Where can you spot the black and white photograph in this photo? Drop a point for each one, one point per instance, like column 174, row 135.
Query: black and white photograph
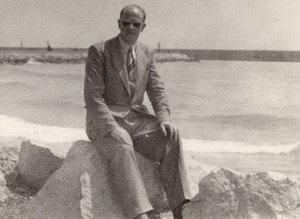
column 136, row 109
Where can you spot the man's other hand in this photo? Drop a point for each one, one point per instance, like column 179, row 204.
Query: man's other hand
column 121, row 135
column 169, row 129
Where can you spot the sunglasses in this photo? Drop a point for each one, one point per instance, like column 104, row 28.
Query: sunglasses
column 135, row 24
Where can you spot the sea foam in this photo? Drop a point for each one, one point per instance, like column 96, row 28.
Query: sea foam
column 238, row 147
column 13, row 127
column 16, row 127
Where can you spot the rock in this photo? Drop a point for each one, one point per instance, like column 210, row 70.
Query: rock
column 229, row 195
column 8, row 159
column 81, row 188
column 3, row 189
column 3, row 195
column 37, row 164
column 32, row 60
column 12, row 177
column 196, row 171
column 2, row 179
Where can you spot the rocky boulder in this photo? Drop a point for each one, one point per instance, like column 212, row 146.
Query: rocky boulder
column 8, row 162
column 37, row 164
column 225, row 194
column 3, row 189
column 81, row 188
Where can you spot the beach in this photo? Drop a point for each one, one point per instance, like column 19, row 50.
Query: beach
column 240, row 115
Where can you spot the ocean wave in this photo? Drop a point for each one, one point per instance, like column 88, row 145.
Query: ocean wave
column 10, row 82
column 48, row 72
column 239, row 147
column 13, row 127
column 33, row 61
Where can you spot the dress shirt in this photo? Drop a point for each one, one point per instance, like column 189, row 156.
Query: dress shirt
column 125, row 47
column 132, row 74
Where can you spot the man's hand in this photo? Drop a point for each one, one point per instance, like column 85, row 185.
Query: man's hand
column 168, row 129
column 121, row 135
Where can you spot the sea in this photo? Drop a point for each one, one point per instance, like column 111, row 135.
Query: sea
column 242, row 115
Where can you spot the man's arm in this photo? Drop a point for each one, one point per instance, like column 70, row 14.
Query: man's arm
column 94, row 88
column 156, row 93
column 158, row 98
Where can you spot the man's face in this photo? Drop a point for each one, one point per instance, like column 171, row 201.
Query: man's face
column 131, row 25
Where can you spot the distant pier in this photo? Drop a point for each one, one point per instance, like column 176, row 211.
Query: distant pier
column 195, row 54
column 242, row 55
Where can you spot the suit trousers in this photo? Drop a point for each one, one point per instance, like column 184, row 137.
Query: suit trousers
column 125, row 171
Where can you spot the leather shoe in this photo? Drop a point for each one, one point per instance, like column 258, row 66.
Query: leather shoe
column 155, row 215
column 177, row 212
column 142, row 216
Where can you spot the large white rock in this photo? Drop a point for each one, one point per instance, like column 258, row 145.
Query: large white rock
column 81, row 188
column 229, row 195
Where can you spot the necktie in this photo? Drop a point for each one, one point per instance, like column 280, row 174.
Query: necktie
column 131, row 70
column 130, row 63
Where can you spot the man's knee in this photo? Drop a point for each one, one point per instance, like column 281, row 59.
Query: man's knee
column 125, row 149
column 112, row 147
column 122, row 151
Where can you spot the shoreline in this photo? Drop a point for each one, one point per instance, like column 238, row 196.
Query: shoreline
column 16, row 129
column 284, row 163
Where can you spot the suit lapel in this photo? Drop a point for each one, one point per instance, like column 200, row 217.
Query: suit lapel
column 141, row 62
column 119, row 62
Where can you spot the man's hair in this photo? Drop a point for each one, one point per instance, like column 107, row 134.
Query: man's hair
column 137, row 6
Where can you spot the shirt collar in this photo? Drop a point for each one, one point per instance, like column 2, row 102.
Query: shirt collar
column 125, row 46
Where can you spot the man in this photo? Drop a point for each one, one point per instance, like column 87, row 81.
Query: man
column 118, row 73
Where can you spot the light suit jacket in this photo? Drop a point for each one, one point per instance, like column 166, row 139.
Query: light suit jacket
column 107, row 93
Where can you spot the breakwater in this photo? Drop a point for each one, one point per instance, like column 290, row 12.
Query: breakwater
column 78, row 55
column 68, row 56
column 242, row 55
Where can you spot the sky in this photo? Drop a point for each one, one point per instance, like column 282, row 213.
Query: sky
column 182, row 24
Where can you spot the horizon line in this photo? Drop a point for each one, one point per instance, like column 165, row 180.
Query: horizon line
column 156, row 49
